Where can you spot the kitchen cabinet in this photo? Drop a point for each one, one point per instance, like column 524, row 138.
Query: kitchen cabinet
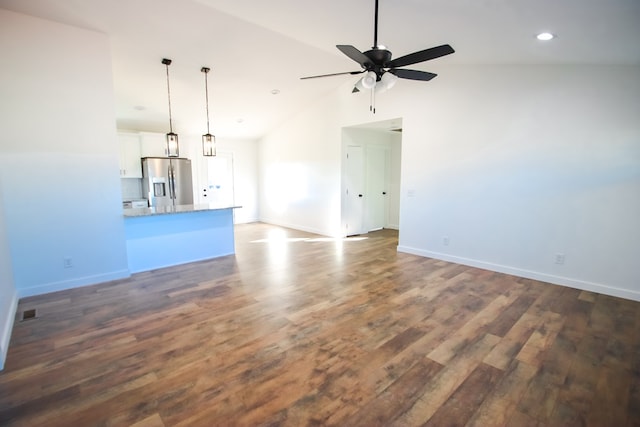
column 153, row 144
column 130, row 166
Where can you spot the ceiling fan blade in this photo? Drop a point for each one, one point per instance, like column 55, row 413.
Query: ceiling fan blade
column 420, row 56
column 332, row 74
column 413, row 74
column 355, row 54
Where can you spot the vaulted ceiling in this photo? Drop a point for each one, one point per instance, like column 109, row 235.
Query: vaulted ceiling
column 254, row 47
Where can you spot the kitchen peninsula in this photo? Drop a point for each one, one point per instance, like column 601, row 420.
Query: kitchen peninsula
column 170, row 235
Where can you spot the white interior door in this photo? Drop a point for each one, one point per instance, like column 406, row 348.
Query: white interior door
column 376, row 185
column 219, row 189
column 354, row 188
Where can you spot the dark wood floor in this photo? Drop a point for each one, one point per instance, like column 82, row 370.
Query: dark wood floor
column 301, row 330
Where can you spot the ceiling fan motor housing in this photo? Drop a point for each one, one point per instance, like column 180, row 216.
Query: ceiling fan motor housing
column 379, row 57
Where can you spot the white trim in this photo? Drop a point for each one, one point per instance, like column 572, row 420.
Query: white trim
column 244, row 220
column 297, row 227
column 5, row 338
column 543, row 277
column 174, row 264
column 70, row 284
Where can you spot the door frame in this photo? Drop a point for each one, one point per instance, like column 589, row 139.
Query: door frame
column 393, row 156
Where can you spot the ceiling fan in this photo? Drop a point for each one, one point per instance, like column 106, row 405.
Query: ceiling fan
column 381, row 71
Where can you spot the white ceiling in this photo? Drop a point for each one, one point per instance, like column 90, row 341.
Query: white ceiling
column 255, row 46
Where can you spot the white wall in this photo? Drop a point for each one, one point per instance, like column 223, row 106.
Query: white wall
column 514, row 164
column 59, row 163
column 8, row 294
column 299, row 181
column 518, row 164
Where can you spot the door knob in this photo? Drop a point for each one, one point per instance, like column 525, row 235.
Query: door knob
column 359, row 195
column 384, row 193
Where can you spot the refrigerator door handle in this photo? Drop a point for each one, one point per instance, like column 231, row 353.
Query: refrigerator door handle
column 173, row 183
column 172, row 188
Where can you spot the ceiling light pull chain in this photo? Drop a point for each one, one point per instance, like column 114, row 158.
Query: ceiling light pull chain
column 372, row 100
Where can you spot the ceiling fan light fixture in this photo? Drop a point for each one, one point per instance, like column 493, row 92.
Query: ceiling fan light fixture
column 388, row 80
column 369, row 80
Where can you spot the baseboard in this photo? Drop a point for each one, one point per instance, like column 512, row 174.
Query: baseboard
column 245, row 220
column 296, row 227
column 71, row 284
column 7, row 322
column 207, row 258
column 528, row 274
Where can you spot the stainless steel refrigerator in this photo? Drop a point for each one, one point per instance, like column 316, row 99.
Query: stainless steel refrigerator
column 167, row 181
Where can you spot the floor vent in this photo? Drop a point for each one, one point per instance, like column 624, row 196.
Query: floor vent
column 29, row 314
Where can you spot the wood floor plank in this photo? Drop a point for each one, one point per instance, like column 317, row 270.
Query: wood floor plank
column 445, row 383
column 396, row 399
column 456, row 343
column 500, row 404
column 152, row 421
column 464, row 402
column 298, row 329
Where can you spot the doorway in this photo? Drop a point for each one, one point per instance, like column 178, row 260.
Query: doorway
column 371, row 177
column 219, row 188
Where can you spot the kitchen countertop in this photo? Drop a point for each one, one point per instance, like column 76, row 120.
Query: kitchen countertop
column 168, row 210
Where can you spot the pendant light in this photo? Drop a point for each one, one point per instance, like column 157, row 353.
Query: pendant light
column 208, row 140
column 172, row 138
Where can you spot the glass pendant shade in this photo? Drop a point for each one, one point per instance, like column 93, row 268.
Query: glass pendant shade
column 369, row 80
column 389, row 80
column 172, row 145
column 208, row 145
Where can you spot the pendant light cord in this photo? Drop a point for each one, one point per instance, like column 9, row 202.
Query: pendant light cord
column 205, row 70
column 169, row 96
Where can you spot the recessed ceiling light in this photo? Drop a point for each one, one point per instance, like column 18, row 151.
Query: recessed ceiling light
column 240, row 120
column 545, row 36
column 139, row 108
column 275, row 91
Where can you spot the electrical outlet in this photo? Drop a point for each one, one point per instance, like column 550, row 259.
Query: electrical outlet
column 67, row 262
column 559, row 259
column 445, row 240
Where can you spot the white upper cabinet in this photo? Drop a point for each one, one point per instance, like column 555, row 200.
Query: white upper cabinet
column 153, row 144
column 130, row 166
